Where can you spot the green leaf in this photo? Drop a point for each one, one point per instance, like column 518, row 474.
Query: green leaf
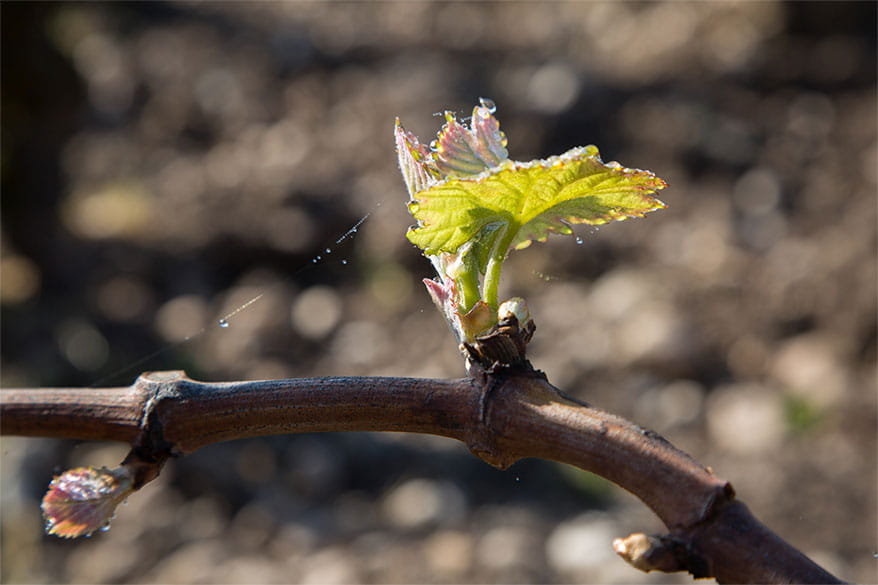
column 518, row 203
column 473, row 205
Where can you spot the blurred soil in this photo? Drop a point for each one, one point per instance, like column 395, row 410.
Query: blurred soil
column 164, row 163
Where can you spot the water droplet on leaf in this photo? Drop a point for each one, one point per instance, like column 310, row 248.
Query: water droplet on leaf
column 224, row 323
column 578, row 240
column 488, row 104
column 343, row 261
column 328, row 251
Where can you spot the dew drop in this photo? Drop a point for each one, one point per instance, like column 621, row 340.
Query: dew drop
column 578, row 240
column 328, row 251
column 313, row 260
column 343, row 261
column 318, row 258
column 488, row 104
column 224, row 323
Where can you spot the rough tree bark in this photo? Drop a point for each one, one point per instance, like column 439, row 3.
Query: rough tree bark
column 502, row 414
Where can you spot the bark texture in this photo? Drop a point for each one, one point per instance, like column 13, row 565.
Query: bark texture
column 502, row 415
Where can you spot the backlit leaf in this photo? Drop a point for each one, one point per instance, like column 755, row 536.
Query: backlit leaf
column 460, row 151
column 473, row 205
column 82, row 500
column 415, row 160
column 525, row 202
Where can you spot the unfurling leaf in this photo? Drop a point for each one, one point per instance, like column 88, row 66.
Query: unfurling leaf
column 414, row 161
column 459, row 151
column 526, row 201
column 82, row 500
column 473, row 205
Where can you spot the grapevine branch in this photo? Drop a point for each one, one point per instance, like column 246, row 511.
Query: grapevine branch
column 502, row 414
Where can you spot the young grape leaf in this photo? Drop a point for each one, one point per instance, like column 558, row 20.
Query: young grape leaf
column 82, row 500
column 415, row 161
column 459, row 151
column 473, row 205
column 524, row 202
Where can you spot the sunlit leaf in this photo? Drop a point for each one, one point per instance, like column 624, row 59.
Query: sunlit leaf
column 473, row 205
column 82, row 500
column 526, row 201
column 460, row 151
column 415, row 160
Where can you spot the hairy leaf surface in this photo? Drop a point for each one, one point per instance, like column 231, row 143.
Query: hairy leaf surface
column 525, row 202
column 82, row 500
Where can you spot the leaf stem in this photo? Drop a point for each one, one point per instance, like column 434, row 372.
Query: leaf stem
column 468, row 283
column 491, row 285
column 492, row 281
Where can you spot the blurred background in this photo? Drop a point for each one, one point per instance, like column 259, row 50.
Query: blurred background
column 165, row 163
